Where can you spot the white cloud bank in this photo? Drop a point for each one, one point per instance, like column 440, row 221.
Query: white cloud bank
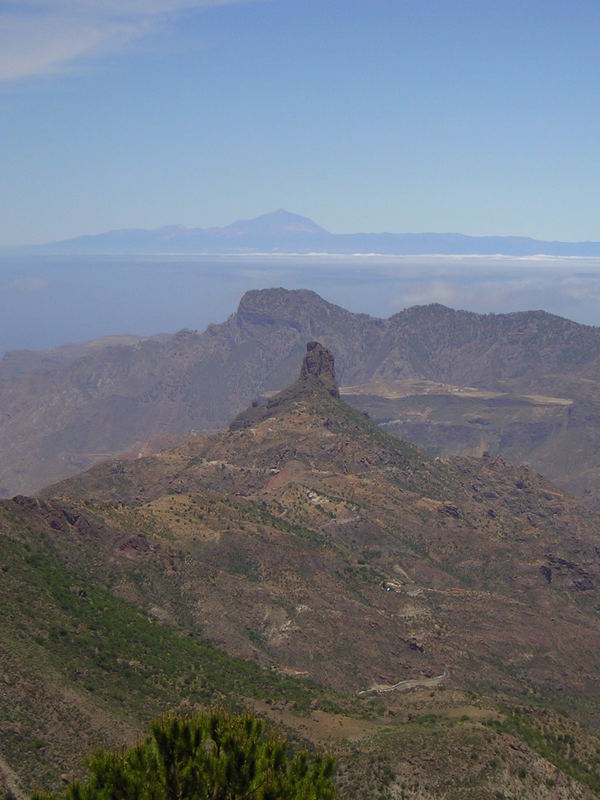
column 43, row 37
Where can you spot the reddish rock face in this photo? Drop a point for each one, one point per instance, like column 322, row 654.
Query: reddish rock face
column 318, row 364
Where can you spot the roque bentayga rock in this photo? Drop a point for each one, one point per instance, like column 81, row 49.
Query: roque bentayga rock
column 318, row 364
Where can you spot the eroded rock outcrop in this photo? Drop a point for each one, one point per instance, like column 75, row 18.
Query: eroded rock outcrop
column 318, row 364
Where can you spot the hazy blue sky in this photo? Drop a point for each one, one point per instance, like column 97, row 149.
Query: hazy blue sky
column 480, row 117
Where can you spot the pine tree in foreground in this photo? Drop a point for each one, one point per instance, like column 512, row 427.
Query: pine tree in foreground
column 215, row 756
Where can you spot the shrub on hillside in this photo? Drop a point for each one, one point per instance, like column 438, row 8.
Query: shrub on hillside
column 215, row 756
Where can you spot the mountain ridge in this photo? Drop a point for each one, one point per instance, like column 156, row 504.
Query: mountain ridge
column 535, row 373
column 284, row 232
column 424, row 609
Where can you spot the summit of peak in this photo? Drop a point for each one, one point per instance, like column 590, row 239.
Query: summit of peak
column 274, row 224
column 315, row 383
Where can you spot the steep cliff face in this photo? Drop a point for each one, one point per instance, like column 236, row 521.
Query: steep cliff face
column 318, row 365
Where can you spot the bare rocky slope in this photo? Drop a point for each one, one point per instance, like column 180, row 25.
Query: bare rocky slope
column 434, row 621
column 524, row 385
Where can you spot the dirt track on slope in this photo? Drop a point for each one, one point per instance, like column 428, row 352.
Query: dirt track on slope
column 405, row 686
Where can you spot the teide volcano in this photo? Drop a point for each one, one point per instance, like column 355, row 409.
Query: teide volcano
column 284, row 232
column 307, row 541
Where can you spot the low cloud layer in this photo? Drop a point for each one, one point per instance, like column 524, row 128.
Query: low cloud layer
column 45, row 302
column 562, row 291
column 44, row 37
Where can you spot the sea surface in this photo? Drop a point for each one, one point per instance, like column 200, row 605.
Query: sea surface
column 46, row 301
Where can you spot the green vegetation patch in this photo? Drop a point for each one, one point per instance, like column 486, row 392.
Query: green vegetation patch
column 60, row 634
column 555, row 743
column 207, row 756
column 99, row 640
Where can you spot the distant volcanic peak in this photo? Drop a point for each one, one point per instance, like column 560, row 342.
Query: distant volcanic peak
column 318, row 365
column 276, row 223
column 291, row 221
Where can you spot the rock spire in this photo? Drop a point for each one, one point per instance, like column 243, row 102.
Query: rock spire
column 318, row 365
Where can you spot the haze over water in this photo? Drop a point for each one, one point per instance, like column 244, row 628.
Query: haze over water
column 47, row 301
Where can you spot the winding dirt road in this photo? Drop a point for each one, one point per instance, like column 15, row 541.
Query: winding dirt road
column 405, row 686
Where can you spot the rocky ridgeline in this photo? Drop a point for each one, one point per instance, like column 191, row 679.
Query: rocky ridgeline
column 64, row 410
